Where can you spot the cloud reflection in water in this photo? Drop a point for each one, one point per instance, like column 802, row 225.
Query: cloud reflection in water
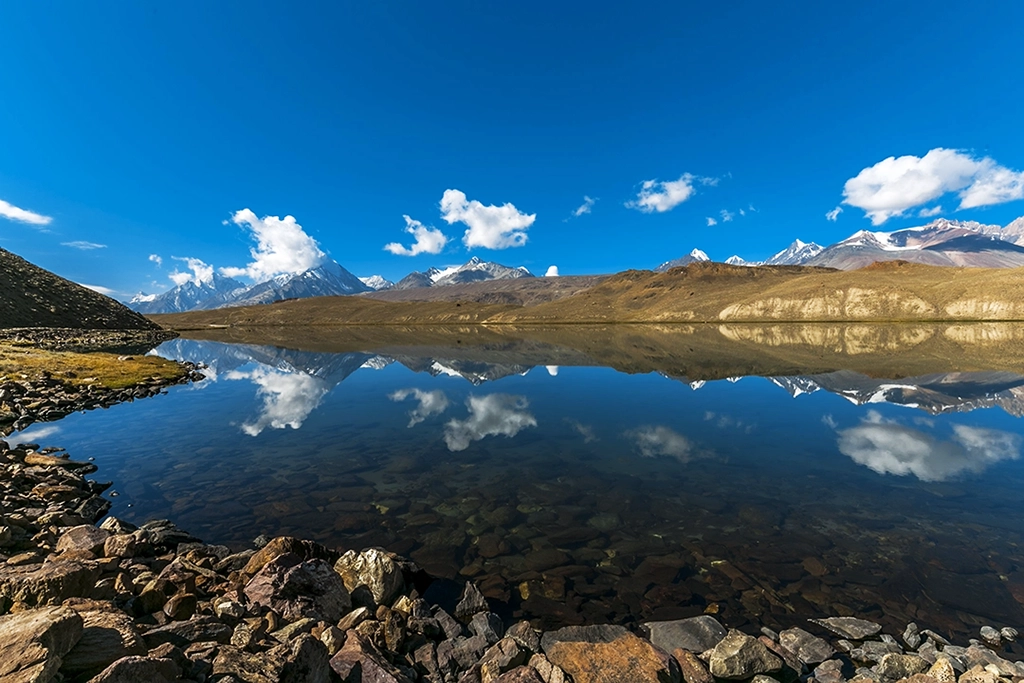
column 887, row 447
column 491, row 415
column 430, row 403
column 288, row 398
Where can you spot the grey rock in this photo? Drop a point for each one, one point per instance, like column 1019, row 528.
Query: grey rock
column 808, row 648
column 886, row 638
column 467, row 651
column 360, row 658
column 932, row 635
column 451, row 627
column 873, row 651
column 978, row 655
column 471, row 602
column 524, row 634
column 739, row 656
column 182, row 633
column 830, row 671
column 849, row 627
column 501, row 657
column 911, row 636
column 770, row 633
column 373, row 569
column 134, row 669
column 991, row 637
column 1008, row 633
column 488, row 625
column 896, row 666
column 696, row 634
column 33, row 643
column 295, row 589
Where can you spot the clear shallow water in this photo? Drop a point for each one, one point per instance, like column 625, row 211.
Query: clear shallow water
column 582, row 493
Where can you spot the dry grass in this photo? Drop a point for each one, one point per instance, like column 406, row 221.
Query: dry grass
column 105, row 369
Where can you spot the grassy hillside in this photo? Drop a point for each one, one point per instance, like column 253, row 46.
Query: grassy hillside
column 33, row 297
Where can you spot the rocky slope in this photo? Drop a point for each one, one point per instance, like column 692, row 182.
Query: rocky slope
column 33, row 297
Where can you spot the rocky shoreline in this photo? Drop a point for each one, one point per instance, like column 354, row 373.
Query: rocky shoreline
column 26, row 401
column 115, row 602
column 87, row 340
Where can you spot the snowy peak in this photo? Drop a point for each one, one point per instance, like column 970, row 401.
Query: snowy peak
column 735, row 260
column 213, row 292
column 377, row 283
column 473, row 270
column 695, row 256
column 796, row 254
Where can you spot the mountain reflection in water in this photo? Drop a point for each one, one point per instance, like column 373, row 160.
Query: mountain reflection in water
column 583, row 492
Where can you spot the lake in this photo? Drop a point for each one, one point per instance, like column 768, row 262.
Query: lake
column 763, row 475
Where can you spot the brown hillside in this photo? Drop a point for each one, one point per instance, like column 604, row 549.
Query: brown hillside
column 33, row 297
column 524, row 291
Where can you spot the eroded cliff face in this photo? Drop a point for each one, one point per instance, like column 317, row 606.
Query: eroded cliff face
column 846, row 339
column 854, row 303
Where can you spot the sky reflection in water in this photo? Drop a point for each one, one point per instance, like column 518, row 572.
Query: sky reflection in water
column 824, row 494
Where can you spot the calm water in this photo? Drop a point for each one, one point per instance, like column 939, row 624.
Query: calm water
column 584, row 493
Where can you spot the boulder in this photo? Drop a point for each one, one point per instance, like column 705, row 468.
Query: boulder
column 849, row 627
column 296, row 588
column 34, row 643
column 696, row 634
column 50, row 583
column 245, row 666
column 896, row 666
column 739, row 656
column 808, row 648
column 85, row 537
column 282, row 545
column 135, row 669
column 358, row 656
column 942, row 671
column 373, row 569
column 502, row 657
column 202, row 629
column 108, row 634
column 471, row 602
column 596, row 654
column 488, row 625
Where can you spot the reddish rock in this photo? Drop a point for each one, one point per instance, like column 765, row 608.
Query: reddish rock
column 597, row 654
column 295, row 589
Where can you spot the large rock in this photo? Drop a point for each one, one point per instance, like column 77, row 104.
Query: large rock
column 896, row 666
column 739, row 656
column 599, row 654
column 359, row 661
column 85, row 537
column 849, row 627
column 135, row 669
column 373, row 569
column 295, row 589
column 245, row 666
column 695, row 634
column 203, row 629
column 108, row 635
column 283, row 545
column 50, row 583
column 693, row 669
column 808, row 648
column 33, row 643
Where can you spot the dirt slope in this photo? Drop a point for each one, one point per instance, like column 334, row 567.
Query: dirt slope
column 527, row 291
column 33, row 297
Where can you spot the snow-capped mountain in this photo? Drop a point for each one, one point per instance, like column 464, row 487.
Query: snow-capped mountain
column 735, row 260
column 473, row 270
column 941, row 243
column 327, row 279
column 694, row 256
column 377, row 283
column 190, row 296
column 796, row 254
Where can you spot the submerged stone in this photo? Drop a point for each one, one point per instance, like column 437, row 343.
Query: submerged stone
column 849, row 627
column 696, row 634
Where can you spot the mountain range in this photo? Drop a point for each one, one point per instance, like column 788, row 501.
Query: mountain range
column 939, row 243
column 327, row 279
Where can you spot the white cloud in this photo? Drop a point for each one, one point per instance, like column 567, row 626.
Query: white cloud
column 585, row 207
column 288, row 398
column 552, row 370
column 201, row 272
column 282, row 246
column 429, row 240
column 655, row 441
column 833, row 215
column 890, row 448
column 490, row 226
column 14, row 213
column 84, row 246
column 36, row 434
column 105, row 291
column 711, row 221
column 928, row 213
column 829, row 421
column 155, row 258
column 492, row 415
column 430, row 403
column 743, row 212
column 665, row 196
column 552, row 271
column 727, row 216
column 895, row 185
column 586, row 431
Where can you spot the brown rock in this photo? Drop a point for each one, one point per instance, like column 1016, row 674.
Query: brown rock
column 33, row 643
column 295, row 588
column 896, row 666
column 599, row 654
column 108, row 634
column 200, row 629
column 122, row 545
column 942, row 671
column 136, row 669
column 739, row 656
column 181, row 607
column 549, row 673
column 85, row 537
column 307, row 550
column 373, row 569
column 522, row 674
column 40, row 460
column 360, row 657
column 48, row 584
column 694, row 670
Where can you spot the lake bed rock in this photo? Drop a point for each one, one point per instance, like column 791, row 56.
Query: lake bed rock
column 739, row 656
column 808, row 648
column 695, row 634
column 849, row 627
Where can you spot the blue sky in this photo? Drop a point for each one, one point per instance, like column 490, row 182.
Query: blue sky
column 147, row 127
